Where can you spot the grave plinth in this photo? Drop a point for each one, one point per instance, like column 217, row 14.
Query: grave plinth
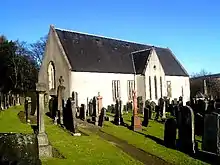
column 45, row 149
column 135, row 120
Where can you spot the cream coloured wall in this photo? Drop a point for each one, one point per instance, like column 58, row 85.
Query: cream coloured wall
column 88, row 84
column 177, row 82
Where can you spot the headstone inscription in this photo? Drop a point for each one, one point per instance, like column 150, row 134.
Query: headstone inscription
column 211, row 137
column 186, row 130
column 170, row 133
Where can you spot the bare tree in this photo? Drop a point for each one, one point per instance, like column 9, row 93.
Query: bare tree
column 212, row 83
column 37, row 49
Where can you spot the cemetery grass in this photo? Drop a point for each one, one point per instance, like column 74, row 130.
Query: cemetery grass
column 150, row 139
column 83, row 150
column 10, row 122
column 74, row 150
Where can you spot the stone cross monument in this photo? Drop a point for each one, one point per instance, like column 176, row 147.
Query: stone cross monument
column 44, row 148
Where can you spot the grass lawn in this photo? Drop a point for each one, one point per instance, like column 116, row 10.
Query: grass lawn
column 9, row 121
column 76, row 150
column 149, row 140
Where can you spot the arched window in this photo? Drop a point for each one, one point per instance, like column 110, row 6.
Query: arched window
column 51, row 76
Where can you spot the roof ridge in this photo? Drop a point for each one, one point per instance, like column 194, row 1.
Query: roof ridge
column 142, row 50
column 117, row 39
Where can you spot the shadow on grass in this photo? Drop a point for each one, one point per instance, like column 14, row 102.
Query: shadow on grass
column 22, row 117
column 207, row 157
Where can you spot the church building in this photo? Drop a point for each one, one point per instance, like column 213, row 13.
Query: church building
column 90, row 64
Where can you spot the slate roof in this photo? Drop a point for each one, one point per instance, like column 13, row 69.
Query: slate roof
column 89, row 53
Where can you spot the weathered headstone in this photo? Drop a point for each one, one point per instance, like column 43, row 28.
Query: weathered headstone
column 135, row 119
column 146, row 117
column 99, row 101
column 27, row 107
column 211, row 136
column 82, row 114
column 164, row 110
column 44, row 148
column 170, row 133
column 95, row 111
column 90, row 108
column 101, row 117
column 60, row 95
column 186, row 130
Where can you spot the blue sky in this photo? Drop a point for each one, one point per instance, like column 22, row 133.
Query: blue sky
column 191, row 28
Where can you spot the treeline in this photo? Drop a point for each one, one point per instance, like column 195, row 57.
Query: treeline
column 19, row 65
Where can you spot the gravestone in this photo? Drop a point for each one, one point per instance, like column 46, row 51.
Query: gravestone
column 70, row 117
column 135, row 119
column 146, row 117
column 186, row 130
column 170, row 133
column 118, row 116
column 82, row 114
column 211, row 136
column 211, row 107
column 60, row 95
column 99, row 102
column 95, row 110
column 164, row 110
column 90, row 108
column 102, row 117
column 27, row 107
column 45, row 149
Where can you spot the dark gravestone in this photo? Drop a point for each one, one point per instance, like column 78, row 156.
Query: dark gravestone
column 129, row 107
column 118, row 116
column 157, row 110
column 199, row 120
column 102, row 117
column 161, row 103
column 27, row 107
column 70, row 115
column 170, row 133
column 211, row 136
column 82, row 112
column 211, row 106
column 186, row 130
column 90, row 108
column 19, row 149
column 180, row 101
column 95, row 110
column 146, row 117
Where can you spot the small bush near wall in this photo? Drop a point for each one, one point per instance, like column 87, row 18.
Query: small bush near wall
column 19, row 149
